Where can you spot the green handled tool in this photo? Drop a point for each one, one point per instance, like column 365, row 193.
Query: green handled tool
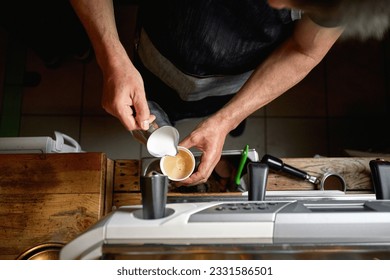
column 244, row 157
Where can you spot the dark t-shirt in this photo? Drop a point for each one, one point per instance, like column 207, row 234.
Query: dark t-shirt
column 215, row 37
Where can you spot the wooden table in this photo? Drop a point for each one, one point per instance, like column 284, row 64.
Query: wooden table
column 46, row 198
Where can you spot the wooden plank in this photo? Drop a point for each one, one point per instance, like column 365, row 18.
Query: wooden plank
column 26, row 221
column 51, row 173
column 127, row 174
column 126, row 199
column 355, row 171
column 109, row 183
column 51, row 198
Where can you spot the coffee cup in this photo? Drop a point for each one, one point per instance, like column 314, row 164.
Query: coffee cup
column 179, row 167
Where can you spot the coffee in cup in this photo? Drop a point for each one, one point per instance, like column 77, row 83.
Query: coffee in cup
column 178, row 167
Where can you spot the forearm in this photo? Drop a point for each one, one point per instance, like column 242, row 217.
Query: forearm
column 97, row 17
column 123, row 89
column 286, row 67
column 270, row 80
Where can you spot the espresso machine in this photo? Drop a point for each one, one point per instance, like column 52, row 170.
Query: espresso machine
column 255, row 227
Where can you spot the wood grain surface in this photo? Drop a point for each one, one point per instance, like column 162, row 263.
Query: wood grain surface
column 355, row 171
column 50, row 198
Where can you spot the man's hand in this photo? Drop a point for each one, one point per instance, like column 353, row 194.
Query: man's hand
column 124, row 97
column 123, row 93
column 209, row 137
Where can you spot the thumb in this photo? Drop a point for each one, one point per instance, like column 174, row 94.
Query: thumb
column 187, row 142
column 142, row 113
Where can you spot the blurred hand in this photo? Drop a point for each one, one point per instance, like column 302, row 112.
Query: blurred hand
column 209, row 137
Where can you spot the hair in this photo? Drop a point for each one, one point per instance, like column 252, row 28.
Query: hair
column 365, row 19
column 362, row 19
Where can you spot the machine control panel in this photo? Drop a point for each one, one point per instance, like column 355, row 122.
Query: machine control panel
column 257, row 211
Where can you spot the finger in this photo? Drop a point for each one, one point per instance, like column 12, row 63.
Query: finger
column 201, row 175
column 126, row 116
column 187, row 143
column 123, row 111
column 128, row 120
column 195, row 179
column 146, row 123
column 142, row 115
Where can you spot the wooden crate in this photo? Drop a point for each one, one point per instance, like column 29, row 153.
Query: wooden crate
column 126, row 183
column 51, row 198
column 355, row 171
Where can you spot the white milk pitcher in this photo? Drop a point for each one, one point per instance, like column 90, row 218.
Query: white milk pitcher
column 161, row 139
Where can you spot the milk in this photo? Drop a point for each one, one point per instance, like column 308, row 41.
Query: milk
column 163, row 141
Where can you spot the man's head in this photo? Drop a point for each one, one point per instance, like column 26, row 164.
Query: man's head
column 362, row 18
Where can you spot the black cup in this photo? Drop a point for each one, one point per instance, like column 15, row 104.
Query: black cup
column 154, row 191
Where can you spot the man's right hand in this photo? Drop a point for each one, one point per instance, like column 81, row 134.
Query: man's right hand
column 124, row 96
column 123, row 93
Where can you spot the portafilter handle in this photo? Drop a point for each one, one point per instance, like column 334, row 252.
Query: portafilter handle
column 277, row 164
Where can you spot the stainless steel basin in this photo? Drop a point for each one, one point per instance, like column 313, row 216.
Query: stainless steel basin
column 248, row 252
